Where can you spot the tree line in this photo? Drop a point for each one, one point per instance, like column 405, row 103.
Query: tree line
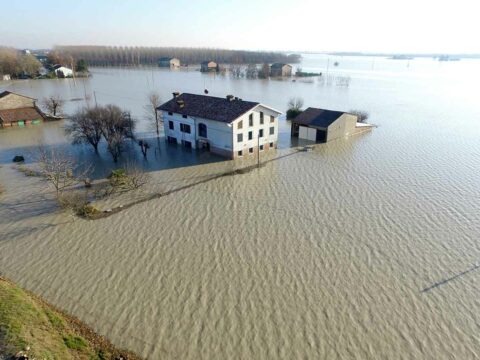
column 134, row 55
column 14, row 63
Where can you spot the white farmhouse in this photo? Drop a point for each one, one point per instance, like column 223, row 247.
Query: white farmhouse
column 230, row 127
column 62, row 71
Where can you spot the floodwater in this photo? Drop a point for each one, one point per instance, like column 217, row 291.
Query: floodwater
column 362, row 248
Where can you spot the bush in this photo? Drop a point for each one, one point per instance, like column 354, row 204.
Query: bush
column 362, row 115
column 87, row 211
column 293, row 113
column 118, row 178
column 18, row 158
column 74, row 342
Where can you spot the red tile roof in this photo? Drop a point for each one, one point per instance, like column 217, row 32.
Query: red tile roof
column 23, row 114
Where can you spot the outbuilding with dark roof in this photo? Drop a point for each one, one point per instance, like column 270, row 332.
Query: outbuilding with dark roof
column 322, row 125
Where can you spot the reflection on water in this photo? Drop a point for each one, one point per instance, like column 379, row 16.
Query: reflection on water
column 322, row 254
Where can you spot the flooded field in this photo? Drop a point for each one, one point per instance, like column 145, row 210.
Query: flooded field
column 362, row 248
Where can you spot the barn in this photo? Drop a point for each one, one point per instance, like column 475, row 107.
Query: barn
column 20, row 110
column 322, row 125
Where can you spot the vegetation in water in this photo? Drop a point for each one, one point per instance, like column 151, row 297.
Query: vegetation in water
column 134, row 56
column 362, row 115
column 294, row 108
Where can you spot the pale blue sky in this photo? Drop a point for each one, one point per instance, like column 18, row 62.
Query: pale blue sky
column 334, row 25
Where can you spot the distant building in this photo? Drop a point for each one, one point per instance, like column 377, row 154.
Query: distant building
column 321, row 125
column 16, row 109
column 42, row 58
column 228, row 126
column 169, row 62
column 208, row 66
column 279, row 69
column 62, row 71
column 6, row 77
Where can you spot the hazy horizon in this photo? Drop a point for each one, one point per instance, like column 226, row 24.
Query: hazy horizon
column 345, row 26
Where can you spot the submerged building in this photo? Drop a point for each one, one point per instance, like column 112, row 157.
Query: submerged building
column 169, row 62
column 230, row 127
column 20, row 110
column 322, row 125
column 279, row 69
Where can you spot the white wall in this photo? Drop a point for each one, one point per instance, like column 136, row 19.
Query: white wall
column 267, row 138
column 176, row 133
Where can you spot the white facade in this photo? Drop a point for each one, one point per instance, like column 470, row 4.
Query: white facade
column 223, row 138
column 63, row 71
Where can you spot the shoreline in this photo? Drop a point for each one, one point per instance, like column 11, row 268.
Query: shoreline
column 75, row 327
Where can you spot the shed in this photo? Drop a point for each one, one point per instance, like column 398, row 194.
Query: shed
column 279, row 69
column 169, row 62
column 208, row 66
column 322, row 125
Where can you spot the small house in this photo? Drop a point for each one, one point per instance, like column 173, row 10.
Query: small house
column 229, row 126
column 208, row 66
column 20, row 110
column 322, row 125
column 6, row 77
column 169, row 62
column 280, row 70
column 62, row 71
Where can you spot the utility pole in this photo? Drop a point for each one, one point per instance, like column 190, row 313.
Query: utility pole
column 258, row 149
column 95, row 97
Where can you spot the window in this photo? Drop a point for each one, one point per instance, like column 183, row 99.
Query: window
column 250, row 120
column 272, row 118
column 185, row 128
column 272, row 130
column 202, row 130
column 250, row 135
column 240, row 153
column 184, row 116
column 271, row 145
column 170, row 125
column 240, row 124
column 250, row 150
column 170, row 113
column 261, row 147
column 239, row 137
column 171, row 140
column 261, row 118
column 187, row 144
column 260, row 133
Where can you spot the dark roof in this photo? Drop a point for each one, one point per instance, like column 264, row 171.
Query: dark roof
column 279, row 65
column 318, row 117
column 208, row 107
column 23, row 114
column 6, row 92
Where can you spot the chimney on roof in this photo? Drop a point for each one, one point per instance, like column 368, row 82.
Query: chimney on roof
column 180, row 103
column 176, row 94
column 230, row 97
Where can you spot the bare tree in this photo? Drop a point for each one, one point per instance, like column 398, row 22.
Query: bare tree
column 236, row 71
column 294, row 107
column 59, row 169
column 251, row 72
column 85, row 127
column 53, row 104
column 151, row 109
column 117, row 126
column 264, row 71
column 144, row 146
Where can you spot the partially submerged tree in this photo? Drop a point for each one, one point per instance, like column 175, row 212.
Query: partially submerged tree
column 362, row 115
column 151, row 109
column 117, row 126
column 53, row 104
column 85, row 127
column 251, row 72
column 144, row 146
column 294, row 108
column 264, row 71
column 59, row 169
